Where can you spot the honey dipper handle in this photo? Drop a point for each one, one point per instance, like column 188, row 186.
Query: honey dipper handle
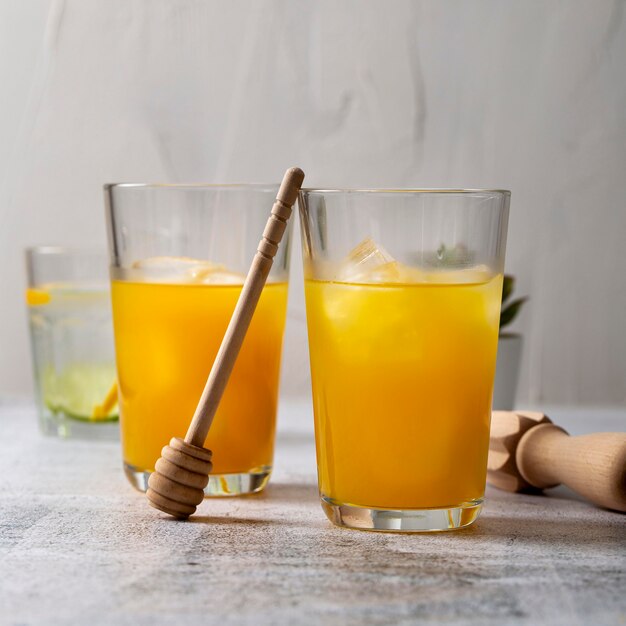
column 592, row 465
column 242, row 315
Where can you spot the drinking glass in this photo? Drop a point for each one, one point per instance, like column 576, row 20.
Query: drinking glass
column 179, row 255
column 69, row 310
column 403, row 292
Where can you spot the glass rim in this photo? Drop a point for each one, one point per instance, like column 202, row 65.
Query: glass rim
column 67, row 250
column 183, row 186
column 408, row 190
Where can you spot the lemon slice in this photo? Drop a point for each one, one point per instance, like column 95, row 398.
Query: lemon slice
column 82, row 391
column 37, row 297
column 101, row 411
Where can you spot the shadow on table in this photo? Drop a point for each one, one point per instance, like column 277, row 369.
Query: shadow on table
column 541, row 519
column 274, row 494
column 536, row 521
column 228, row 520
column 290, row 492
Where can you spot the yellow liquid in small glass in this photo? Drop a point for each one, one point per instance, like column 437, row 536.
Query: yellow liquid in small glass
column 166, row 339
column 402, row 386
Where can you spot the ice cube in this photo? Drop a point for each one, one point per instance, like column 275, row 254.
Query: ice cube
column 369, row 263
column 184, row 270
column 166, row 267
column 210, row 274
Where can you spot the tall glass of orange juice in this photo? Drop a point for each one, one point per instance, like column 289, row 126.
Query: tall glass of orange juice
column 179, row 254
column 403, row 291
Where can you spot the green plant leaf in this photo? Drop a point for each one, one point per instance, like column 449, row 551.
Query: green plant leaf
column 510, row 312
column 507, row 287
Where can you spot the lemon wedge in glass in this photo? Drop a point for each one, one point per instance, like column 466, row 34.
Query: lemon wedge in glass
column 84, row 391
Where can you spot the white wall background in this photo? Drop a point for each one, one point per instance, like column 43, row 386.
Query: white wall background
column 529, row 96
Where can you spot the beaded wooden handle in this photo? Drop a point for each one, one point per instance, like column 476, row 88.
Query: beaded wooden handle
column 176, row 487
column 250, row 294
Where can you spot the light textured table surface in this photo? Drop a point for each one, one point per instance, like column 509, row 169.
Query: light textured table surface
column 79, row 546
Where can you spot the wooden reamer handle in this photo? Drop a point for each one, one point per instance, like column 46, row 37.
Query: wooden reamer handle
column 248, row 299
column 593, row 465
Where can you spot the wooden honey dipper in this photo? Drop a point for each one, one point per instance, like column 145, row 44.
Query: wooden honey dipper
column 182, row 472
column 527, row 450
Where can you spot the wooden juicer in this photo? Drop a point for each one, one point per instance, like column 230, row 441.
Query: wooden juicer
column 527, row 450
column 182, row 472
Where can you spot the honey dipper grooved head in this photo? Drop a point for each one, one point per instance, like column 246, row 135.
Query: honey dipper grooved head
column 177, row 485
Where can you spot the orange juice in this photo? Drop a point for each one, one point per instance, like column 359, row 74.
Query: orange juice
column 166, row 338
column 402, row 383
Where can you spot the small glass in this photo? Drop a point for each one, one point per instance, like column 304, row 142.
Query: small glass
column 179, row 256
column 69, row 311
column 403, row 292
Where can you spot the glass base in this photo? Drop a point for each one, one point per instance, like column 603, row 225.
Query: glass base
column 402, row 520
column 219, row 484
column 56, row 425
